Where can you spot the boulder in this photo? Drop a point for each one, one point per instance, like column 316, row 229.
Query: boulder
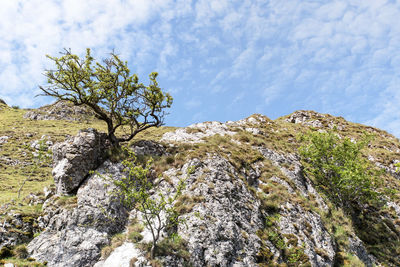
column 74, row 234
column 75, row 157
column 123, row 256
column 17, row 228
column 148, row 147
column 4, row 139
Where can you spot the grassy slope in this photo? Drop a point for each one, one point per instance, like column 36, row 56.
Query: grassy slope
column 17, row 149
column 278, row 135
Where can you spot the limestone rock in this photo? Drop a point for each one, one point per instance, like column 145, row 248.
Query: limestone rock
column 60, row 110
column 221, row 227
column 74, row 158
column 74, row 235
column 196, row 132
column 223, row 206
column 4, row 139
column 309, row 230
column 357, row 248
column 147, row 147
column 122, row 256
column 17, row 228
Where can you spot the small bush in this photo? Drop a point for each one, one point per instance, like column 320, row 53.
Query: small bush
column 21, row 252
column 106, row 251
column 5, row 252
column 169, row 160
column 174, row 245
column 117, row 240
column 135, row 237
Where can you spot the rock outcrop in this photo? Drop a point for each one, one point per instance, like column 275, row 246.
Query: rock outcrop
column 247, row 202
column 17, row 229
column 61, row 110
column 196, row 132
column 147, row 147
column 74, row 158
column 221, row 226
column 75, row 233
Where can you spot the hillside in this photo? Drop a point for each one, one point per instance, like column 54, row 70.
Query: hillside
column 247, row 200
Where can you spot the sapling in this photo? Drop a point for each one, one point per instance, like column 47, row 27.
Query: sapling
column 138, row 190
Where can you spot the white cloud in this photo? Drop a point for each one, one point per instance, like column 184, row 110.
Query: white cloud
column 333, row 10
column 337, row 55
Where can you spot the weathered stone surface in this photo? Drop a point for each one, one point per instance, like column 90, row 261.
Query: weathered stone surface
column 75, row 157
column 17, row 228
column 196, row 132
column 147, row 147
column 74, row 234
column 357, row 248
column 122, row 256
column 4, row 139
column 304, row 116
column 60, row 110
column 222, row 210
column 309, row 230
column 296, row 175
column 43, row 143
column 221, row 227
column 11, row 162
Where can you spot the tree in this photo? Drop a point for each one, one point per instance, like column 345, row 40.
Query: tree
column 110, row 91
column 339, row 169
column 138, row 191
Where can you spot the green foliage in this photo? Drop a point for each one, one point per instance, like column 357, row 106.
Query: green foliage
column 108, row 88
column 136, row 189
column 174, row 245
column 339, row 169
column 134, row 232
column 5, row 252
column 21, row 252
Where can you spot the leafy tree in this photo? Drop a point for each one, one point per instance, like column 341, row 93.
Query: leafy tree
column 138, row 191
column 108, row 88
column 339, row 169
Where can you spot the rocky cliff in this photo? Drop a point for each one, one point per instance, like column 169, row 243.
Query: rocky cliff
column 247, row 201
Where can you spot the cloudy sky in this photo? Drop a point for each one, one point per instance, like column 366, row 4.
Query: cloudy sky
column 221, row 59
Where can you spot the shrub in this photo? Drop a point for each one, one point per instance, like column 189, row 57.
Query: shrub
column 338, row 168
column 5, row 252
column 21, row 252
column 135, row 191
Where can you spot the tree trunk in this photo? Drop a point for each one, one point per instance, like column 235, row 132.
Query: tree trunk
column 152, row 251
column 114, row 140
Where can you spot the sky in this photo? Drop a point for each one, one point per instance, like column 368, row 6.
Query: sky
column 220, row 59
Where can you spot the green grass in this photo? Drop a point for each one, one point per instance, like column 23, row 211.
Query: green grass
column 24, row 131
column 278, row 135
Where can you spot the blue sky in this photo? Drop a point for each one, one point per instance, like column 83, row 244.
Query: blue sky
column 221, row 60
